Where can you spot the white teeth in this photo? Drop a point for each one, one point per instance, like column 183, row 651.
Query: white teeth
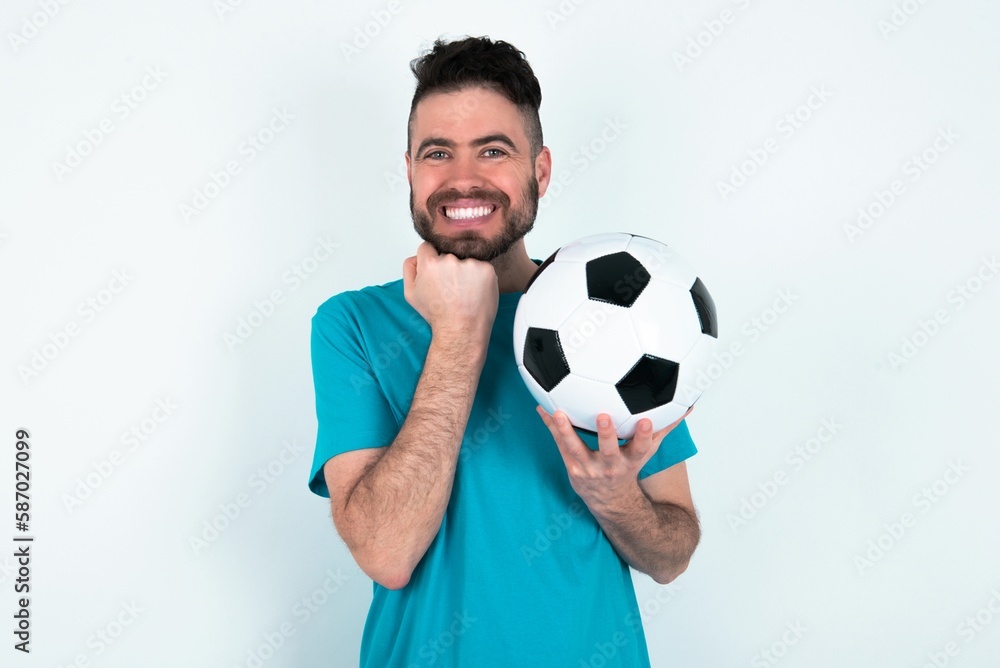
column 467, row 212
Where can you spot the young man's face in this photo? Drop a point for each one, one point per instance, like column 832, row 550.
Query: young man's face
column 474, row 188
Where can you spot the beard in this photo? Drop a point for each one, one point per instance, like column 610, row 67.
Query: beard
column 517, row 222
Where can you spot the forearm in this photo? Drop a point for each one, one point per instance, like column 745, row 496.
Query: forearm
column 654, row 538
column 395, row 511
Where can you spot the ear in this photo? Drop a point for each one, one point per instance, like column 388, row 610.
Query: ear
column 543, row 169
column 409, row 174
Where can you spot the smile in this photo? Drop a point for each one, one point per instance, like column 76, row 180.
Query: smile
column 467, row 212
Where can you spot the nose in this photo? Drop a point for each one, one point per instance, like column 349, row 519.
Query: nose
column 464, row 173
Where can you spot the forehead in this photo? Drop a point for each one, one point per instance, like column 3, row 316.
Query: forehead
column 465, row 114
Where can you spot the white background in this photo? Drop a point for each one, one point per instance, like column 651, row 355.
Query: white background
column 825, row 552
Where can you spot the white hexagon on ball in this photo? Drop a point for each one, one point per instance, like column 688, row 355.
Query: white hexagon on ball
column 618, row 324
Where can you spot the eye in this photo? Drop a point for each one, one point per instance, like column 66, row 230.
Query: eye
column 497, row 152
column 433, row 155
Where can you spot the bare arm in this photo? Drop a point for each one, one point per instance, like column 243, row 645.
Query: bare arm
column 654, row 536
column 393, row 513
column 651, row 523
column 389, row 503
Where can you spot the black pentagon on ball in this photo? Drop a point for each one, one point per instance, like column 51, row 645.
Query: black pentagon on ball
column 705, row 306
column 617, row 279
column 544, row 358
column 648, row 384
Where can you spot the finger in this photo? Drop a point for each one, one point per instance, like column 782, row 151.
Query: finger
column 607, row 439
column 643, row 444
column 409, row 277
column 660, row 434
column 550, row 423
column 410, row 269
column 546, row 418
column 425, row 251
column 569, row 444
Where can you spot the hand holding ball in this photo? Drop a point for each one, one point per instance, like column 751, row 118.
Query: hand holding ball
column 617, row 324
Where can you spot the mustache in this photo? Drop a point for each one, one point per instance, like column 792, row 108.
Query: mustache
column 446, row 196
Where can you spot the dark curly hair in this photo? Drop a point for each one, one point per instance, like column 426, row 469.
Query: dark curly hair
column 478, row 61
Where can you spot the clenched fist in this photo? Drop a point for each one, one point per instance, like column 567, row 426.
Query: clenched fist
column 456, row 297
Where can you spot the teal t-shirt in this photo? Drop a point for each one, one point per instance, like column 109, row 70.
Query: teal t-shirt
column 520, row 573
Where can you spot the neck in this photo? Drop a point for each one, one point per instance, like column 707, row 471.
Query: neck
column 514, row 268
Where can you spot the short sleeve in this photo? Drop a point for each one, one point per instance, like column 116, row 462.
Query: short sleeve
column 351, row 409
column 674, row 448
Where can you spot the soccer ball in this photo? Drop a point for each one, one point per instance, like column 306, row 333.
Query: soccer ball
column 618, row 324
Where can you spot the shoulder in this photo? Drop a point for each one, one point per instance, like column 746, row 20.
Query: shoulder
column 350, row 305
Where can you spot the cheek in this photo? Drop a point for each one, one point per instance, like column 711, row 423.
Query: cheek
column 422, row 189
column 512, row 185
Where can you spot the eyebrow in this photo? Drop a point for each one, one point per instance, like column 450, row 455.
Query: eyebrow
column 498, row 138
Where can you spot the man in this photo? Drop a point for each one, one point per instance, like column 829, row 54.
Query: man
column 494, row 534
